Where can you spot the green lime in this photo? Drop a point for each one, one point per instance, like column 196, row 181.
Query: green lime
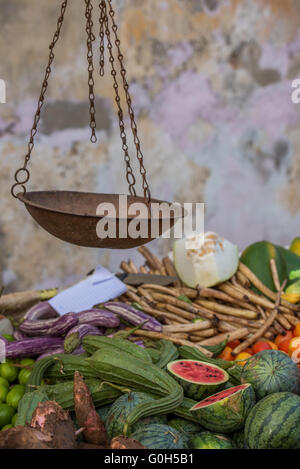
column 8, row 337
column 6, row 414
column 24, row 376
column 8, row 371
column 15, row 395
column 4, row 382
column 6, row 427
column 3, row 392
column 13, row 420
column 27, row 361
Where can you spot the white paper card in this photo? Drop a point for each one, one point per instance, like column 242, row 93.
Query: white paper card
column 97, row 288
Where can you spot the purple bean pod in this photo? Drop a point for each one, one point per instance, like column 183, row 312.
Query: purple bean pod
column 59, row 349
column 50, row 327
column 18, row 335
column 32, row 347
column 41, row 311
column 75, row 335
column 133, row 316
column 99, row 318
column 79, row 350
column 140, row 343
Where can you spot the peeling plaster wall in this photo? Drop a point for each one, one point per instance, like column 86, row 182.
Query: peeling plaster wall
column 211, row 85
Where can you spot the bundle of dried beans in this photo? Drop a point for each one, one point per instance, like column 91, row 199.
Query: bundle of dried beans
column 231, row 310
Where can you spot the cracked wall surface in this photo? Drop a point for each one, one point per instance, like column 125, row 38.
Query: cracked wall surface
column 211, row 86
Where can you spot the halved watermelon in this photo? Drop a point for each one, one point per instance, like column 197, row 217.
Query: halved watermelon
column 198, row 379
column 227, row 410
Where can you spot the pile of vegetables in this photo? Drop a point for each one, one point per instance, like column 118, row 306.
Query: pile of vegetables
column 120, row 395
column 177, row 367
column 14, row 375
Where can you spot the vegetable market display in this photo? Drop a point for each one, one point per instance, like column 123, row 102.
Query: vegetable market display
column 163, row 367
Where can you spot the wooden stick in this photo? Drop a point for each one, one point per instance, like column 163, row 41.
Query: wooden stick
column 242, row 280
column 179, row 312
column 284, row 322
column 220, row 295
column 160, row 314
column 242, row 313
column 175, row 302
column 159, row 336
column 196, row 326
column 242, row 293
column 265, row 290
column 253, row 338
column 292, row 319
column 191, row 293
column 262, row 312
column 152, row 260
column 146, row 296
column 204, row 334
column 162, row 289
column 224, row 326
column 237, row 334
column 125, row 267
column 170, row 269
column 274, row 273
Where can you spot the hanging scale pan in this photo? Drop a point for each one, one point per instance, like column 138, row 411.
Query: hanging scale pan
column 72, row 216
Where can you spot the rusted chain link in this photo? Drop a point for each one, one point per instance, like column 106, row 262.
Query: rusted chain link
column 90, row 58
column 129, row 173
column 134, row 129
column 103, row 15
column 23, row 170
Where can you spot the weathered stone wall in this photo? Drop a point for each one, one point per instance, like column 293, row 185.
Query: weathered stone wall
column 211, row 84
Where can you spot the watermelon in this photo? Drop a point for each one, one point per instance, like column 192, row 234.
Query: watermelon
column 187, row 429
column 274, row 423
column 271, row 371
column 227, row 410
column 198, row 379
column 103, row 412
column 235, row 374
column 157, row 436
column 119, row 411
column 161, row 419
column 238, row 439
column 207, row 440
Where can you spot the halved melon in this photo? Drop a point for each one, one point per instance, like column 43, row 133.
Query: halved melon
column 198, row 379
column 227, row 410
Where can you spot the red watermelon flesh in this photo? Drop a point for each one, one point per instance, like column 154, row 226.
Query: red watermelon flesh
column 219, row 396
column 197, row 372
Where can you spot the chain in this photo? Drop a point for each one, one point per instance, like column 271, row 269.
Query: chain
column 137, row 142
column 26, row 174
column 129, row 173
column 103, row 15
column 90, row 39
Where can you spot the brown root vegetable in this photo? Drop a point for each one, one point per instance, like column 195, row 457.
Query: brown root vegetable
column 24, row 438
column 52, row 420
column 86, row 414
column 123, row 442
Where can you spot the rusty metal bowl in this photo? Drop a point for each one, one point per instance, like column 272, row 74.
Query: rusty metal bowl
column 72, row 217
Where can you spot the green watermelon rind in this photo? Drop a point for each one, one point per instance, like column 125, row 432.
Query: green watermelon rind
column 197, row 391
column 119, row 411
column 186, row 428
column 228, row 414
column 207, row 440
column 156, row 436
column 274, row 423
column 271, row 371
